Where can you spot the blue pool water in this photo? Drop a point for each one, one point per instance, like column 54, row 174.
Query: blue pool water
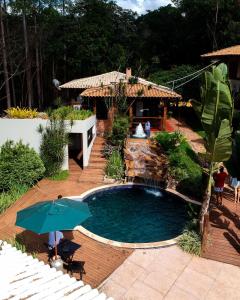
column 136, row 214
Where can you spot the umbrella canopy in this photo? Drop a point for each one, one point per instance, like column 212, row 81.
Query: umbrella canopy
column 62, row 214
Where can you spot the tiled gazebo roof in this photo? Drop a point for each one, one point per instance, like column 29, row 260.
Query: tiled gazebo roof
column 230, row 51
column 105, row 79
column 131, row 90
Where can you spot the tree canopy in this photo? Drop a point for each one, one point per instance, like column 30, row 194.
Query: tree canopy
column 63, row 39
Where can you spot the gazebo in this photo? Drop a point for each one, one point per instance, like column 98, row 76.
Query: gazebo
column 143, row 100
column 230, row 56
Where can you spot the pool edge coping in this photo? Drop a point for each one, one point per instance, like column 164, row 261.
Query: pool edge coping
column 109, row 242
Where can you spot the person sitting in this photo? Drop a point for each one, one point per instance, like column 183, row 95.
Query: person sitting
column 148, row 129
column 54, row 239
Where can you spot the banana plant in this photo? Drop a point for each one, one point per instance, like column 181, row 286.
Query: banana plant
column 215, row 112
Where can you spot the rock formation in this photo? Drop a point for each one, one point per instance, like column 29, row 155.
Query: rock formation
column 145, row 161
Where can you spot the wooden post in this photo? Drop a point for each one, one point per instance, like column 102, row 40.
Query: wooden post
column 164, row 115
column 95, row 106
column 131, row 115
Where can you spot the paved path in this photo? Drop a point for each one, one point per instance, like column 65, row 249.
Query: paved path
column 169, row 273
column 195, row 140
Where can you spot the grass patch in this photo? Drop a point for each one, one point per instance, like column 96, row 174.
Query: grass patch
column 9, row 197
column 62, row 175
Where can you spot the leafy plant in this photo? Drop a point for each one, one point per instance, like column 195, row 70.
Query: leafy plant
column 21, row 113
column 19, row 165
column 53, row 143
column 69, row 113
column 115, row 166
column 9, row 197
column 216, row 113
column 108, row 149
column 183, row 163
column 190, row 241
column 119, row 131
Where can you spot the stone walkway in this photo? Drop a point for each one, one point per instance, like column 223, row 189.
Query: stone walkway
column 195, row 140
column 169, row 273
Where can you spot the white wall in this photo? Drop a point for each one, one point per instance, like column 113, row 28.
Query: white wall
column 26, row 130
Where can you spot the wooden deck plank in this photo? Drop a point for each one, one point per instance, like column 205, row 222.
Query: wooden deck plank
column 224, row 236
column 100, row 260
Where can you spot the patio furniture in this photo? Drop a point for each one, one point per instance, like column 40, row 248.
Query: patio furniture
column 76, row 267
column 54, row 215
column 67, row 249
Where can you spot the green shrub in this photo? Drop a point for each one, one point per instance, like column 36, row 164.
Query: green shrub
column 169, row 141
column 190, row 240
column 69, row 113
column 119, row 131
column 115, row 166
column 9, row 197
column 52, row 148
column 19, row 165
column 183, row 163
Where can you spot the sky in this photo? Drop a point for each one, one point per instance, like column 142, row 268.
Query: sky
column 141, row 6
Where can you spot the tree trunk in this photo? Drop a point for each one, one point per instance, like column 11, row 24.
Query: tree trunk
column 28, row 63
column 206, row 199
column 37, row 64
column 4, row 54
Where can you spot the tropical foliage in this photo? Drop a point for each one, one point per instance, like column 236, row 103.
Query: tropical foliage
column 190, row 241
column 21, row 113
column 216, row 112
column 73, row 39
column 115, row 166
column 184, row 167
column 53, row 142
column 119, row 131
column 19, row 165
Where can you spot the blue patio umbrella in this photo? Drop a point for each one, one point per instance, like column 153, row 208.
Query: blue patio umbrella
column 53, row 215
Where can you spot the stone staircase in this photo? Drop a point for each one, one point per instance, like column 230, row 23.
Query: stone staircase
column 95, row 171
column 25, row 277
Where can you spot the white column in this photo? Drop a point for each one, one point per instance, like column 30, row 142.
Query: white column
column 85, row 149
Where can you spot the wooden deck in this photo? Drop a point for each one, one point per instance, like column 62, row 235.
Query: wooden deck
column 100, row 260
column 223, row 242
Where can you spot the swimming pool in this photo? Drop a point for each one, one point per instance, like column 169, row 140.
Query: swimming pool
column 135, row 214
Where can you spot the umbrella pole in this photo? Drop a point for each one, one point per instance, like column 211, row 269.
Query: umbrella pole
column 55, row 242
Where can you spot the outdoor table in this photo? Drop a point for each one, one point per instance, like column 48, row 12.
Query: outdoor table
column 66, row 249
